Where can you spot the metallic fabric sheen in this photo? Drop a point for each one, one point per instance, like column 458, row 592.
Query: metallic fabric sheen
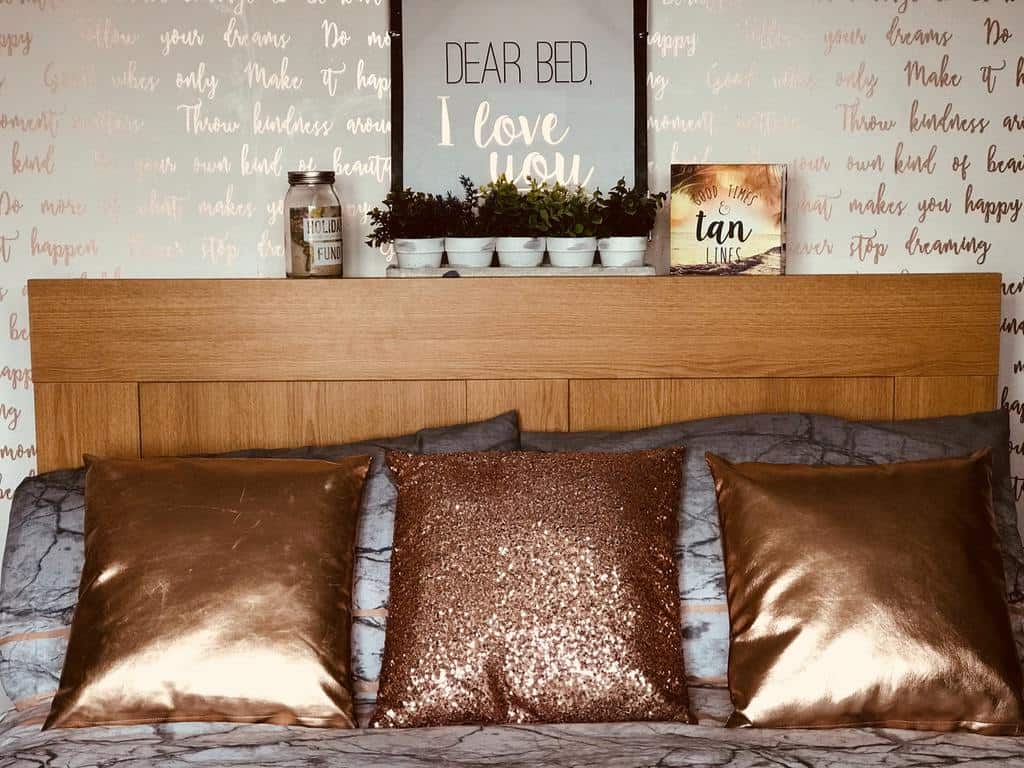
column 867, row 595
column 529, row 587
column 214, row 589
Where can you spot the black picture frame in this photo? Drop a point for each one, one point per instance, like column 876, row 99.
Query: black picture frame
column 640, row 32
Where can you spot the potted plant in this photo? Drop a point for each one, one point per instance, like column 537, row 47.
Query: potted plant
column 574, row 216
column 515, row 218
column 469, row 236
column 627, row 218
column 414, row 222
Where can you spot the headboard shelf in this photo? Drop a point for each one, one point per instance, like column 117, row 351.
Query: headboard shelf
column 142, row 367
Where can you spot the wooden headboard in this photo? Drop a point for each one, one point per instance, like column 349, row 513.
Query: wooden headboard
column 150, row 367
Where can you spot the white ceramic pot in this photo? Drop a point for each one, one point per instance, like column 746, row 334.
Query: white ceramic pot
column 469, row 251
column 622, row 251
column 419, row 253
column 520, row 251
column 572, row 251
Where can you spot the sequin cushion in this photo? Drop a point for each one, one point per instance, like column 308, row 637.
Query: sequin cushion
column 530, row 588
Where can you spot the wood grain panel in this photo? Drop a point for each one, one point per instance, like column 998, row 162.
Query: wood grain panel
column 610, row 404
column 926, row 397
column 515, row 328
column 543, row 405
column 73, row 419
column 179, row 418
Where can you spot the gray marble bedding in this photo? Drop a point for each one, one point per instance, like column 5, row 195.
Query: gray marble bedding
column 48, row 531
column 626, row 745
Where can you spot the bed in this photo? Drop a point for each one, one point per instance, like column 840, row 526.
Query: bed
column 172, row 367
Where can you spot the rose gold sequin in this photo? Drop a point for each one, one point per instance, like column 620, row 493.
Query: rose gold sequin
column 530, row 587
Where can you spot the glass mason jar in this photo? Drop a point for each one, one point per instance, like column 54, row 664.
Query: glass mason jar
column 312, row 225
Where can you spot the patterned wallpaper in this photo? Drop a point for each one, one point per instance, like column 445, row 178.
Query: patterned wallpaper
column 146, row 138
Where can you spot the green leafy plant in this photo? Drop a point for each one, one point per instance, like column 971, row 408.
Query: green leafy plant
column 537, row 202
column 466, row 216
column 628, row 212
column 407, row 214
column 508, row 212
column 571, row 212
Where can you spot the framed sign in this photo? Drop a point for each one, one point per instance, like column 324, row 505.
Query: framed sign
column 550, row 89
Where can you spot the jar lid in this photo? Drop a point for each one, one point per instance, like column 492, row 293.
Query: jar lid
column 310, row 177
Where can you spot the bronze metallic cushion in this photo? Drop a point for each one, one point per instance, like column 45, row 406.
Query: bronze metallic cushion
column 214, row 589
column 867, row 596
column 529, row 587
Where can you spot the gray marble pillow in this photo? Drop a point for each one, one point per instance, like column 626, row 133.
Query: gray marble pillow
column 797, row 439
column 43, row 558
